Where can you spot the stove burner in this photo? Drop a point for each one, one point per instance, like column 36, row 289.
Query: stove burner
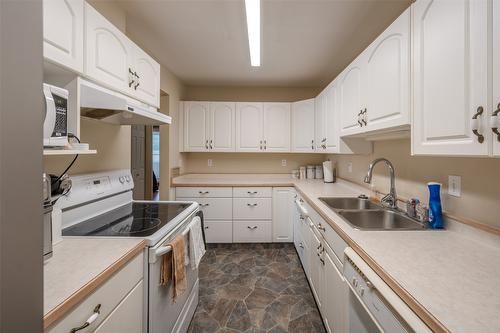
column 136, row 225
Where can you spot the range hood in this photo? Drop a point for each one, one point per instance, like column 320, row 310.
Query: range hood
column 100, row 103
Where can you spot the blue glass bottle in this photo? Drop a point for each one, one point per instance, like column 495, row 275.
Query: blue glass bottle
column 435, row 210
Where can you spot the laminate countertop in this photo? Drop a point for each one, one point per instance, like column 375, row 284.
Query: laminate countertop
column 80, row 265
column 449, row 277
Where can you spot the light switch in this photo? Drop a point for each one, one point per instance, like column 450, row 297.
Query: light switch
column 209, row 162
column 455, row 186
column 283, row 163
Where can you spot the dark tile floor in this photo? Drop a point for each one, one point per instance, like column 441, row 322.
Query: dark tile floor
column 254, row 288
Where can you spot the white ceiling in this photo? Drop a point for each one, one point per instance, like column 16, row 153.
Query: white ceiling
column 304, row 42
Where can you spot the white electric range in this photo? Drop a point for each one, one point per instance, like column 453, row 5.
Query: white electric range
column 101, row 205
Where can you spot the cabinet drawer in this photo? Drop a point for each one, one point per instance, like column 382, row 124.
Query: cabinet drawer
column 128, row 315
column 252, row 232
column 252, row 192
column 252, row 208
column 219, row 231
column 109, row 295
column 203, row 192
column 215, row 208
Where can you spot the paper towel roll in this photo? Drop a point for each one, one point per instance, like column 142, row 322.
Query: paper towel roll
column 328, row 172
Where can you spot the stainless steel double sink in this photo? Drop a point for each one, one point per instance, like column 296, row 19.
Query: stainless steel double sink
column 363, row 214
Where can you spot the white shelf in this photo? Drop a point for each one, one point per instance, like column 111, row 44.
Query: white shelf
column 47, row 152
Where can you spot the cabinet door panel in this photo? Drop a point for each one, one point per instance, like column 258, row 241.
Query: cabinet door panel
column 330, row 125
column 108, row 52
column 277, row 126
column 249, row 123
column 450, row 76
column 350, row 96
column 195, row 126
column 336, row 297
column 148, row 88
column 315, row 268
column 319, row 121
column 222, row 125
column 283, row 214
column 496, row 70
column 303, row 125
column 63, row 33
column 387, row 76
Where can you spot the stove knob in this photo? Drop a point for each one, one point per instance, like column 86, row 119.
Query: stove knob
column 121, row 179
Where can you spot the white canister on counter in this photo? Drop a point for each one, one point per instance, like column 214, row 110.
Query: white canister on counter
column 319, row 172
column 295, row 174
column 302, row 172
column 311, row 172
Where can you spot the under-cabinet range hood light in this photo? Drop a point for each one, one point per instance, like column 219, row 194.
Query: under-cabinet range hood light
column 112, row 107
column 252, row 10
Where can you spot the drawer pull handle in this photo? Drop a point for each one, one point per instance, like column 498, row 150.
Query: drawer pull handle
column 204, row 205
column 203, row 192
column 252, row 228
column 322, row 261
column 301, row 245
column 252, row 192
column 92, row 318
column 320, row 227
column 251, row 205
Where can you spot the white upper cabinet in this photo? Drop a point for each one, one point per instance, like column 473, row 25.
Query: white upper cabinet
column 495, row 124
column 350, row 96
column 116, row 62
column 319, row 121
column 303, row 126
column 387, row 78
column 221, row 126
column 108, row 52
column 147, row 81
column 330, row 116
column 63, row 33
column 276, row 127
column 450, row 60
column 249, row 127
column 196, row 126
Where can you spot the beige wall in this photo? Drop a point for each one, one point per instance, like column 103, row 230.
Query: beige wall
column 250, row 94
column 480, row 181
column 247, row 162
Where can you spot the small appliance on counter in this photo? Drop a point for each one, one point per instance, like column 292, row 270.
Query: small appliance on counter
column 55, row 124
column 329, row 172
column 47, row 217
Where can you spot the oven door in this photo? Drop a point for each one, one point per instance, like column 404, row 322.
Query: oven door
column 164, row 315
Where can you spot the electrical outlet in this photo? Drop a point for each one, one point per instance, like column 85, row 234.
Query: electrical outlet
column 283, row 163
column 349, row 167
column 209, row 162
column 455, row 186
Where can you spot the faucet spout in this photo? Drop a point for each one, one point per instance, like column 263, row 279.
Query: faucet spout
column 391, row 198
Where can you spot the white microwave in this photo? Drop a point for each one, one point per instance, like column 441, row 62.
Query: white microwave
column 55, row 124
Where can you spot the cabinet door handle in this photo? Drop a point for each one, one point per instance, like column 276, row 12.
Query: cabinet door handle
column 251, row 205
column 363, row 118
column 92, row 318
column 211, row 146
column 265, row 144
column 301, row 245
column 495, row 122
column 131, row 79
column 260, row 144
column 206, row 227
column 320, row 227
column 312, row 144
column 206, row 144
column 252, row 228
column 322, row 261
column 359, row 118
column 475, row 124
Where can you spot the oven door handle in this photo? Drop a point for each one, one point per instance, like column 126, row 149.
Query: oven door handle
column 154, row 253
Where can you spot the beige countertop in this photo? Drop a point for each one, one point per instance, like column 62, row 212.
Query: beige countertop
column 448, row 277
column 80, row 265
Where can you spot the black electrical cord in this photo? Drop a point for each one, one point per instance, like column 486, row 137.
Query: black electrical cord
column 70, row 135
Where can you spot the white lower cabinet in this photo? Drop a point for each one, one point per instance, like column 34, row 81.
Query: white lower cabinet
column 316, row 268
column 336, row 293
column 120, row 301
column 219, row 231
column 252, row 209
column 126, row 318
column 250, row 231
column 283, row 214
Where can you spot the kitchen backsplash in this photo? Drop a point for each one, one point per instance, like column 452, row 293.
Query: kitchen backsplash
column 480, row 181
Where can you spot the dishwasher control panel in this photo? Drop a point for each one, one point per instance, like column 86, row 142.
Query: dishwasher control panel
column 382, row 312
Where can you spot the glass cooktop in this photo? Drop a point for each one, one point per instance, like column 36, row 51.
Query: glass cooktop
column 137, row 219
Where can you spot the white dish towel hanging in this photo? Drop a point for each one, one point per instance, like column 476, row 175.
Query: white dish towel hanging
column 196, row 244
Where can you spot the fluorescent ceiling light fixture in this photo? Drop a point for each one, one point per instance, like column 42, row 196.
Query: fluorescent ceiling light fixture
column 252, row 9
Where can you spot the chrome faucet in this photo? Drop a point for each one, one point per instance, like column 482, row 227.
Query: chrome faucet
column 390, row 199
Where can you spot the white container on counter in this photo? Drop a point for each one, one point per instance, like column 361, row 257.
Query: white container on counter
column 311, row 171
column 302, row 172
column 319, row 172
